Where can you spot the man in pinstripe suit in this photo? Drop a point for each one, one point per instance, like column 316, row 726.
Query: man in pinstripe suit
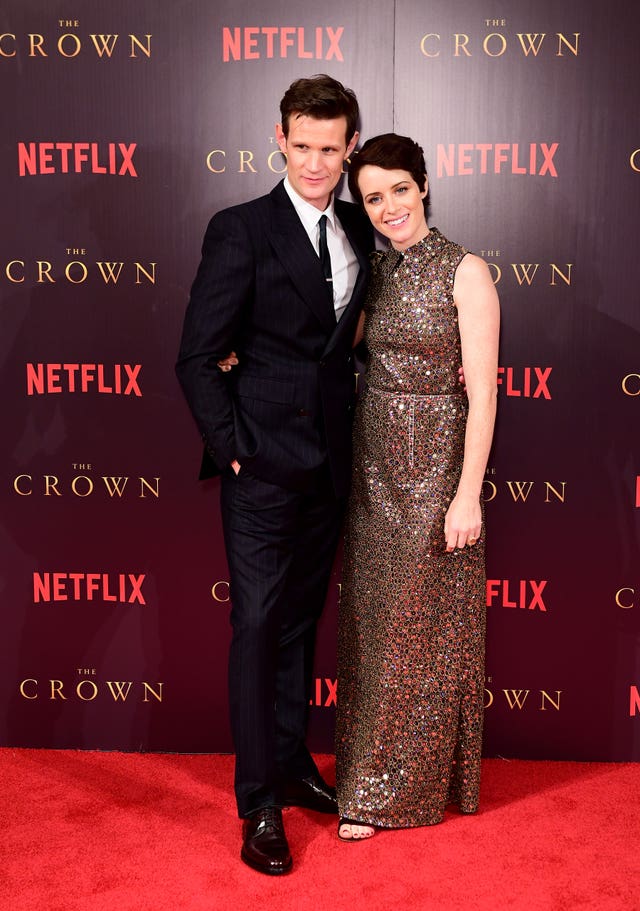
column 278, row 430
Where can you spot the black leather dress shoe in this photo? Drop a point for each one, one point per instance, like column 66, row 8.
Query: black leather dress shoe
column 264, row 844
column 312, row 793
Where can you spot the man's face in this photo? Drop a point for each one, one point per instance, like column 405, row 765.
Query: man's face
column 315, row 150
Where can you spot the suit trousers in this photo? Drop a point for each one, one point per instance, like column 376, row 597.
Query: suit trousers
column 280, row 548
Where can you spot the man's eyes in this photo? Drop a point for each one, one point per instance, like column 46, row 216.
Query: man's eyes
column 326, row 150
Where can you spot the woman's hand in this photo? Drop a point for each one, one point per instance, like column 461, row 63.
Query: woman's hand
column 463, row 522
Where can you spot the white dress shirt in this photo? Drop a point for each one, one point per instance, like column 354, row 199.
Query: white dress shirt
column 344, row 262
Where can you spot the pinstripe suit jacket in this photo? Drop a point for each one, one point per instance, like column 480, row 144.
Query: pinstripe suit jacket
column 260, row 291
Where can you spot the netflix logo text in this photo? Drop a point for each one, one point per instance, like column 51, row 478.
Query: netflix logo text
column 525, row 382
column 467, row 158
column 108, row 379
column 76, row 158
column 522, row 594
column 117, row 588
column 269, row 42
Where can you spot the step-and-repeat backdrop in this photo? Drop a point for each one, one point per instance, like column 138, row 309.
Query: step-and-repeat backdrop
column 125, row 126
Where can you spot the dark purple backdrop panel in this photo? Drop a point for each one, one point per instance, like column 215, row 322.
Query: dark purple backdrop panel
column 126, row 128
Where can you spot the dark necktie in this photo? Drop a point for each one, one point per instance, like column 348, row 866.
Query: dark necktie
column 323, row 253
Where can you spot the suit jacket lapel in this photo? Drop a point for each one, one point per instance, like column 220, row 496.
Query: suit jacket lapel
column 296, row 253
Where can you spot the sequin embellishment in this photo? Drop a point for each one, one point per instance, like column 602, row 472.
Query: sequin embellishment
column 412, row 617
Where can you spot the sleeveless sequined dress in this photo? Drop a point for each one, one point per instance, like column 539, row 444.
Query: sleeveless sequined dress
column 412, row 616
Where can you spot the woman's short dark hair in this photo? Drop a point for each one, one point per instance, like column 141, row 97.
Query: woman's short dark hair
column 321, row 97
column 390, row 152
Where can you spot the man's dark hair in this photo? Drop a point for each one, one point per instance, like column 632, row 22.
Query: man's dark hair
column 321, row 97
column 390, row 152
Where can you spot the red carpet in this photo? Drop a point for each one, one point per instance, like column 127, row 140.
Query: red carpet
column 85, row 831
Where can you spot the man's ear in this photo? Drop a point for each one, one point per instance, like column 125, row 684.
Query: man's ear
column 281, row 139
column 352, row 144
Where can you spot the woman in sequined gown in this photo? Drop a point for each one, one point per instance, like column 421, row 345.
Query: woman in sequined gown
column 412, row 612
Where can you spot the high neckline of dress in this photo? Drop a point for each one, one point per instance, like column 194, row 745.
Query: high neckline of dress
column 429, row 246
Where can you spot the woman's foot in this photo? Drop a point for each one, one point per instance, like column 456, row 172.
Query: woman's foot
column 352, row 830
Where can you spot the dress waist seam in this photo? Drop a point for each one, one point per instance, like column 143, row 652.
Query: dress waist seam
column 415, row 395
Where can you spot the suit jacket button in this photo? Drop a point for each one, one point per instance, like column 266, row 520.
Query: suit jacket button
column 303, row 413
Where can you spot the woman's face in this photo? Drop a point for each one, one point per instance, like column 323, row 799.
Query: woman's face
column 393, row 202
